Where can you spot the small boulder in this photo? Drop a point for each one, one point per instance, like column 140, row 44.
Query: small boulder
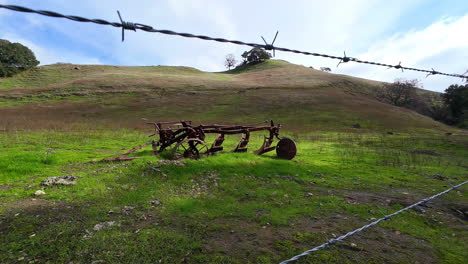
column 357, row 125
column 60, row 180
column 104, row 225
column 155, row 203
column 127, row 210
column 39, row 193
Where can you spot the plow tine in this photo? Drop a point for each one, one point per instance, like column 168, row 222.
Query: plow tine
column 242, row 146
column 216, row 146
column 266, row 146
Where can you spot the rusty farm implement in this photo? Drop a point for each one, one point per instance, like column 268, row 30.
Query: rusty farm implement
column 183, row 140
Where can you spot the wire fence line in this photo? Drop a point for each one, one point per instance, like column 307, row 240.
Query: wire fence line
column 137, row 26
column 386, row 217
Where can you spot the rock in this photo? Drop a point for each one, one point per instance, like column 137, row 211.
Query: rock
column 76, row 68
column 419, row 209
column 353, row 245
column 155, row 202
column 389, row 133
column 127, row 210
column 440, row 177
column 60, row 180
column 357, row 125
column 39, row 193
column 103, row 225
column 172, row 162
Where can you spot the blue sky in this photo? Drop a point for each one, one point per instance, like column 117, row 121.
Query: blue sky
column 419, row 33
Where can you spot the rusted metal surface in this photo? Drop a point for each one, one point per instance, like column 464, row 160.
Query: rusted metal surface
column 286, row 149
column 188, row 141
column 124, row 156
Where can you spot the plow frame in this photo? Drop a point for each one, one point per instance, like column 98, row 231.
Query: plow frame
column 188, row 141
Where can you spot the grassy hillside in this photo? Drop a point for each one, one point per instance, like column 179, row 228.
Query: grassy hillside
column 63, row 119
column 300, row 97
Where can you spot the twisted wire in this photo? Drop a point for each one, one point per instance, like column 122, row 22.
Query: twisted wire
column 137, row 26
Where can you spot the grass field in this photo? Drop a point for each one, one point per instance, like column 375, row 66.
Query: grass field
column 231, row 207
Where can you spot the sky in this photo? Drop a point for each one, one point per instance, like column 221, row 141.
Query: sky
column 418, row 33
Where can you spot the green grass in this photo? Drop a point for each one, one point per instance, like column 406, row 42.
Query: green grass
column 230, row 198
column 266, row 65
column 233, row 207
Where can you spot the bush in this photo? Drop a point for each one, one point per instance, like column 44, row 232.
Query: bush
column 399, row 93
column 15, row 58
column 456, row 98
column 230, row 61
column 255, row 55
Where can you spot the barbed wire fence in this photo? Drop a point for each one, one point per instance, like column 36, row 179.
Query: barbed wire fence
column 386, row 217
column 125, row 25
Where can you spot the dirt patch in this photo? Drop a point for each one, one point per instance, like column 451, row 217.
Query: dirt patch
column 425, row 152
column 441, row 209
column 247, row 240
column 49, row 212
column 380, row 199
column 30, row 205
column 5, row 187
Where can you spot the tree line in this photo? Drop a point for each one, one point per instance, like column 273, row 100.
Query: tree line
column 449, row 107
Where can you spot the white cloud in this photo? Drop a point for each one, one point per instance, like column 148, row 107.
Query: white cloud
column 47, row 56
column 442, row 45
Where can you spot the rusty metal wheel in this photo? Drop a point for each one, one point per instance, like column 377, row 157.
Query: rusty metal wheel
column 191, row 148
column 286, row 149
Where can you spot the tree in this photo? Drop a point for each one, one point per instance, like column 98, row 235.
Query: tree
column 15, row 58
column 230, row 61
column 438, row 107
column 399, row 93
column 255, row 55
column 325, row 69
column 456, row 98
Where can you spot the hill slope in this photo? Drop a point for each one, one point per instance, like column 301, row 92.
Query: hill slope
column 303, row 98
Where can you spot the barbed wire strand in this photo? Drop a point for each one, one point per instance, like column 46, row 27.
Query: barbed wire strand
column 386, row 217
column 137, row 26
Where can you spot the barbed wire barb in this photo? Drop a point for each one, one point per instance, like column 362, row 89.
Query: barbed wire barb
column 433, row 72
column 464, row 76
column 386, row 217
column 398, row 67
column 125, row 25
column 270, row 46
column 344, row 59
